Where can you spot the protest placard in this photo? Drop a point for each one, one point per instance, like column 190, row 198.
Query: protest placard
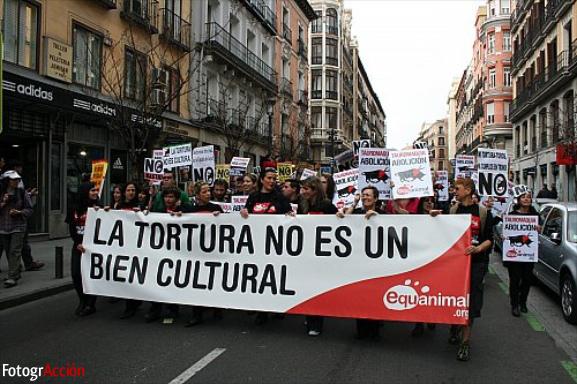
column 464, row 166
column 203, row 165
column 410, row 174
column 306, row 173
column 442, row 185
column 493, row 172
column 375, row 170
column 177, row 155
column 346, row 160
column 98, row 174
column 153, row 169
column 346, row 187
column 223, row 172
column 521, row 238
column 285, row 171
column 379, row 269
column 358, row 144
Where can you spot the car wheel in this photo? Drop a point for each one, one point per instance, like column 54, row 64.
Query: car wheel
column 569, row 298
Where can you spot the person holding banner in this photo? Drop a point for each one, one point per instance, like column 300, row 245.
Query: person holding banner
column 219, row 191
column 314, row 202
column 174, row 206
column 266, row 201
column 291, row 189
column 87, row 198
column 117, row 197
column 366, row 329
column 482, row 234
column 144, row 197
column 203, row 205
column 158, row 199
column 520, row 273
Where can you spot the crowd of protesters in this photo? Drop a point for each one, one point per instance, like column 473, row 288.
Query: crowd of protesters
column 264, row 195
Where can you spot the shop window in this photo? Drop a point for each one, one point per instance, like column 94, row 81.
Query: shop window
column 87, row 57
column 20, row 31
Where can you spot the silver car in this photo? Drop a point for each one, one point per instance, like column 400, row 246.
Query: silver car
column 557, row 266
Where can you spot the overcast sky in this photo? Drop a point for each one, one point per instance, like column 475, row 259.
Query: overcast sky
column 412, row 50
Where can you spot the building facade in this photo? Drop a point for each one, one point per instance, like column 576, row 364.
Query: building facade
column 341, row 97
column 485, row 88
column 436, row 136
column 544, row 81
column 291, row 133
column 79, row 76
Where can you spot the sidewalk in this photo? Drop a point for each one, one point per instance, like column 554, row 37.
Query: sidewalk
column 37, row 284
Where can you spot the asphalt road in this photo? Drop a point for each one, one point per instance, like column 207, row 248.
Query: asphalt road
column 504, row 349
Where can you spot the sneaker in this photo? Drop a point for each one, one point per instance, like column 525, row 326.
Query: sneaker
column 86, row 311
column 515, row 311
column 314, row 333
column 9, row 283
column 523, row 308
column 464, row 353
column 35, row 266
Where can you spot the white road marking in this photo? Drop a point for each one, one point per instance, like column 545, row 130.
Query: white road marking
column 196, row 367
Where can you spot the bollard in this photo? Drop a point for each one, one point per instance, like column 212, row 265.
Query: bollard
column 59, row 262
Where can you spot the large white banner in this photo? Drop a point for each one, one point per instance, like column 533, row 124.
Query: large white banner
column 379, row 268
column 411, row 173
column 375, row 170
column 493, row 172
column 346, row 187
column 521, row 239
column 203, row 165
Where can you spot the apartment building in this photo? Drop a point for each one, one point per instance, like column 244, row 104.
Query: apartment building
column 234, row 86
column 79, row 78
column 291, row 133
column 436, row 136
column 484, row 92
column 544, row 81
column 340, row 90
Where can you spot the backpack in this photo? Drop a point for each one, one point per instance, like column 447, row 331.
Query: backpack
column 482, row 214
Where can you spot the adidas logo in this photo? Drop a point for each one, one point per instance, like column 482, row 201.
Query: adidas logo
column 118, row 164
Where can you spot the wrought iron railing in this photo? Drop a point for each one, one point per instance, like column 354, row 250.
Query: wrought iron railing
column 175, row 29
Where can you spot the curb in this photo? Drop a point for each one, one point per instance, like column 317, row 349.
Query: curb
column 35, row 295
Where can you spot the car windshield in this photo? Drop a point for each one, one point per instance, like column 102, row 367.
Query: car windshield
column 572, row 227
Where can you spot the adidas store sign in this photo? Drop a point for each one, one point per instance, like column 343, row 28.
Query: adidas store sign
column 118, row 164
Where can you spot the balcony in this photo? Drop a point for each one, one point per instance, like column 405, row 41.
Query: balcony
column 263, row 13
column 316, row 94
column 110, row 4
column 303, row 98
column 141, row 12
column 175, row 29
column 286, row 87
column 287, row 33
column 302, row 49
column 236, row 54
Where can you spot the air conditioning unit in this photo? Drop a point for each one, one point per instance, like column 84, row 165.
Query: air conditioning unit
column 158, row 97
column 159, row 77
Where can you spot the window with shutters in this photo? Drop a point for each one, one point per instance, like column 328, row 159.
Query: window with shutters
column 20, row 31
column 87, row 57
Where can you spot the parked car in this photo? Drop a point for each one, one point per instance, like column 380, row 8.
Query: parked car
column 557, row 265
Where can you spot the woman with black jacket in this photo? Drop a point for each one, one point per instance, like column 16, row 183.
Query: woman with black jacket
column 266, row 201
column 314, row 202
column 520, row 273
column 87, row 198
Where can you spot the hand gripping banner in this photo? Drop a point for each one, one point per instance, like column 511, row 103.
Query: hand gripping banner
column 405, row 268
